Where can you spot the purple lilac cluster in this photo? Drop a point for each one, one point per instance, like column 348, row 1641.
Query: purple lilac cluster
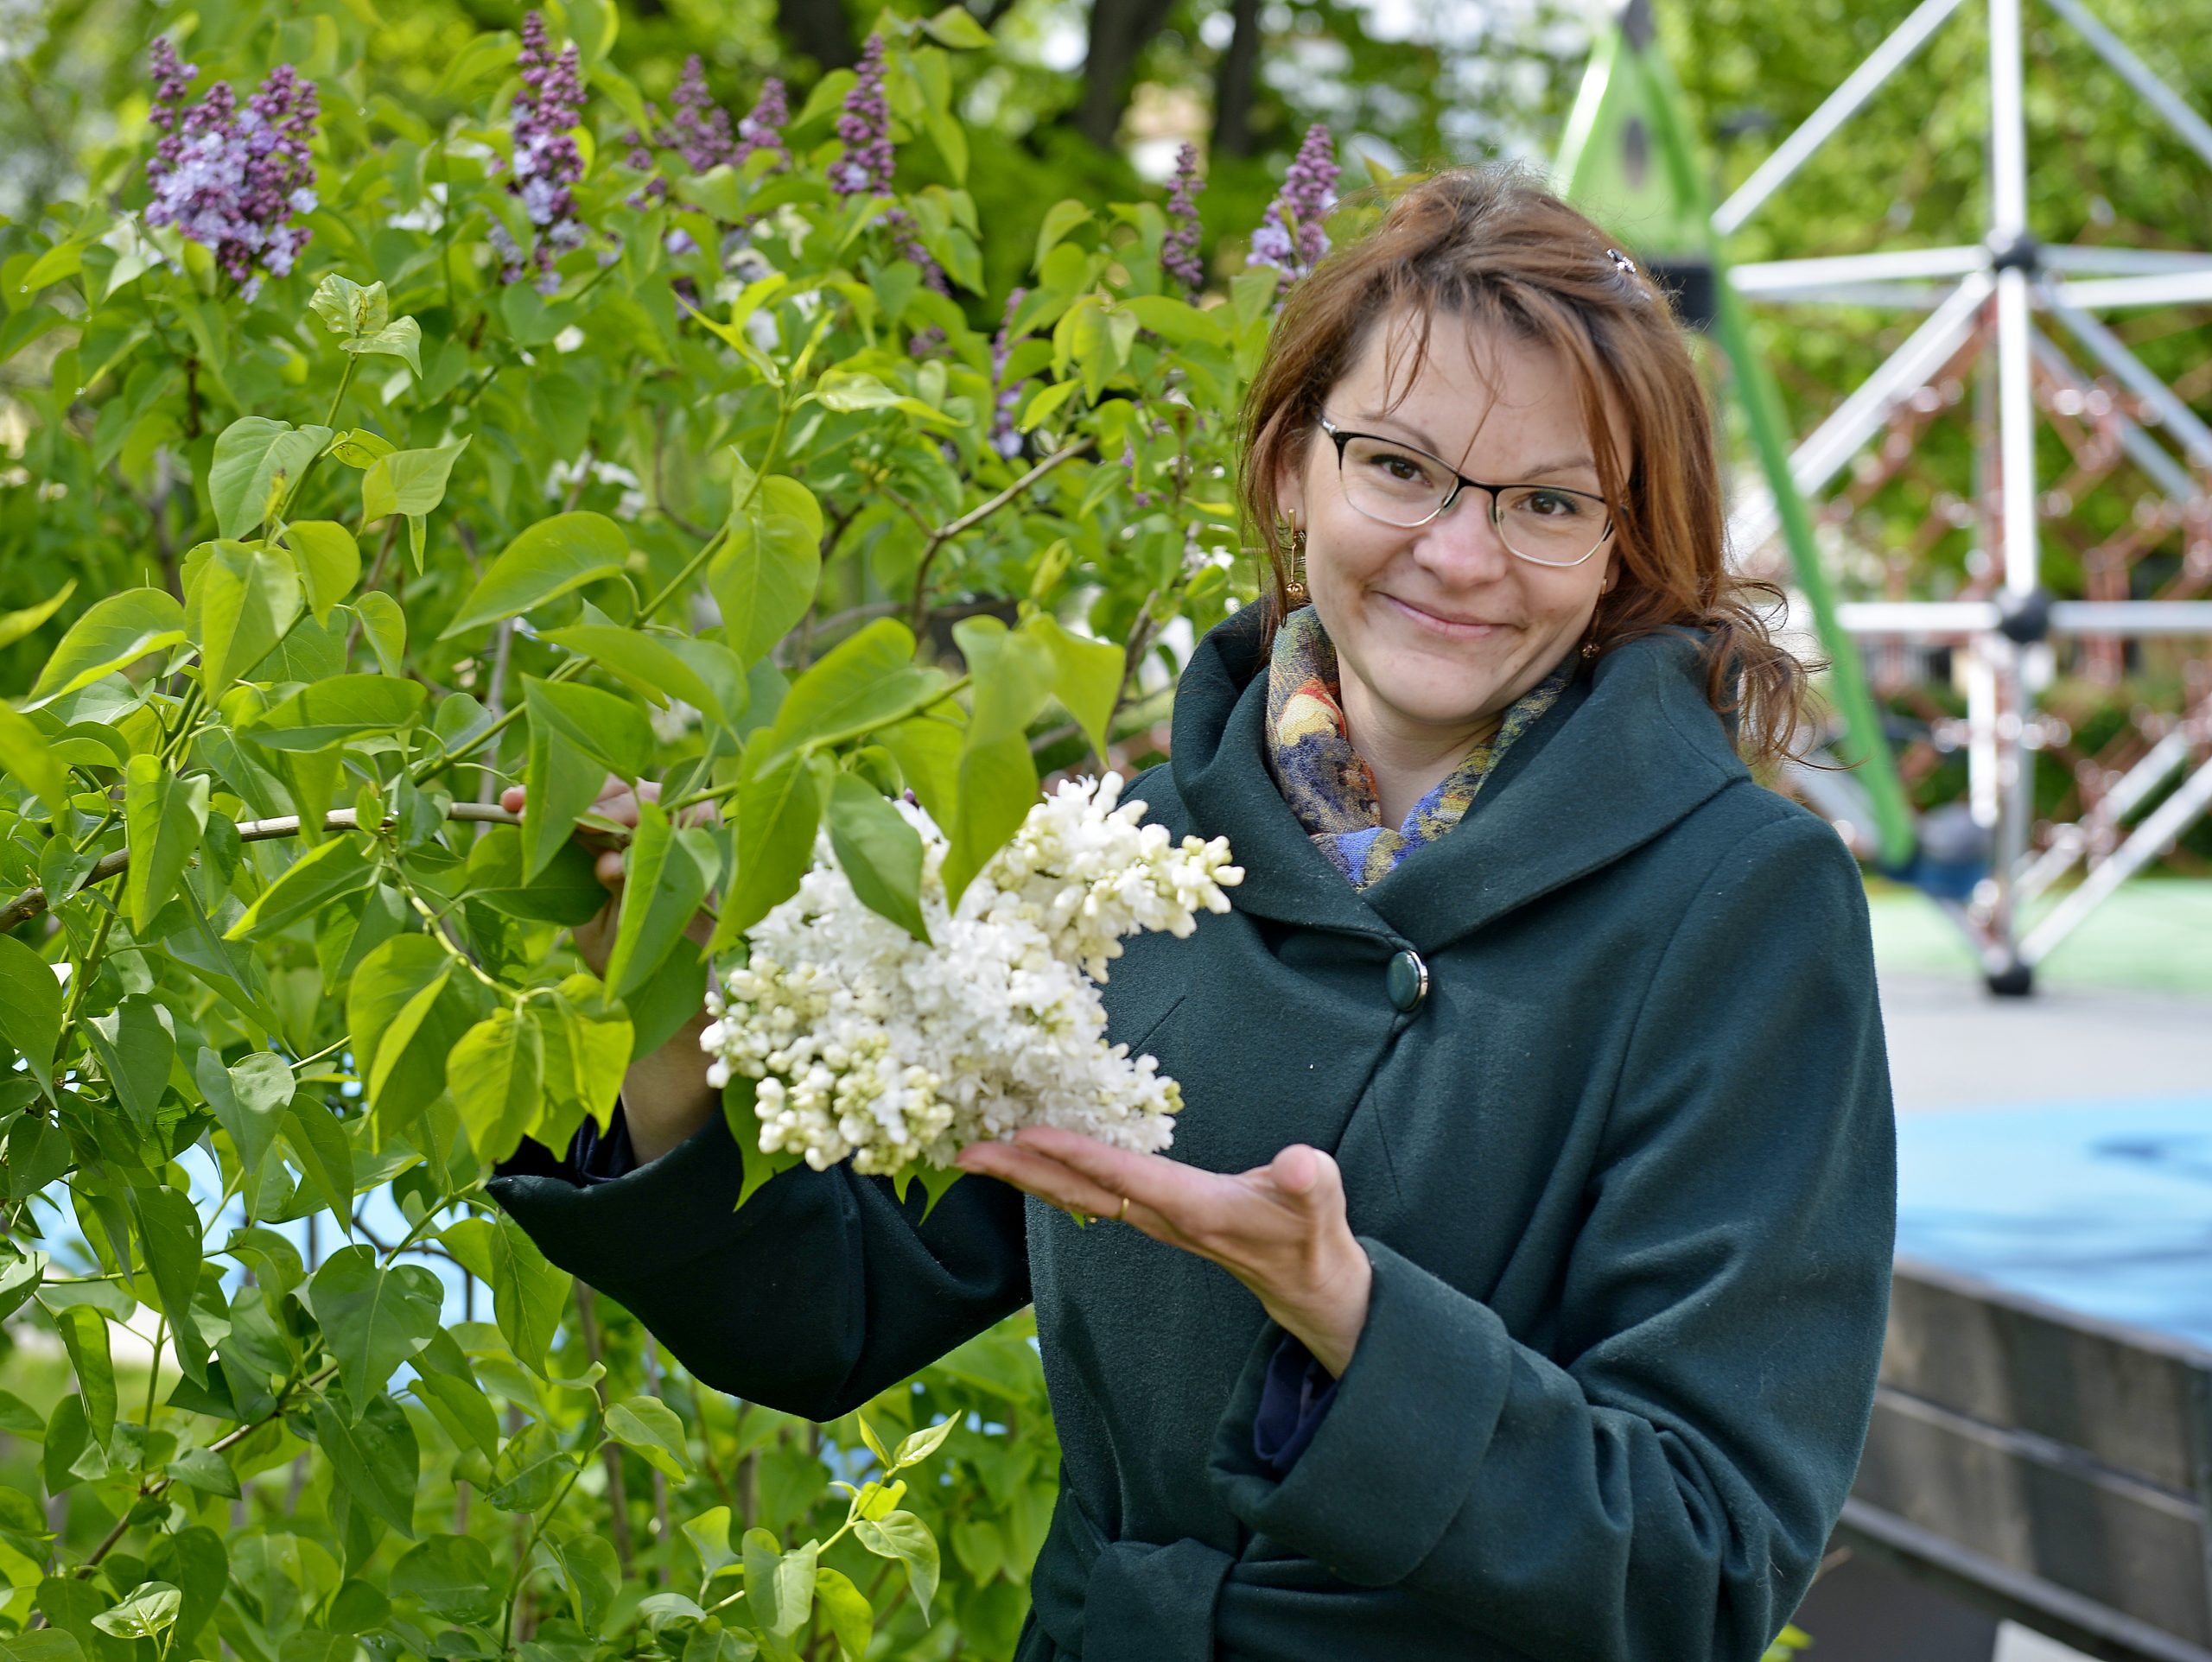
column 1004, row 439
column 1179, row 249
column 763, row 126
column 1308, row 192
column 547, row 162
column 233, row 179
column 865, row 170
column 699, row 131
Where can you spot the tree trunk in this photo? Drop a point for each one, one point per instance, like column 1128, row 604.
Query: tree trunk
column 819, row 29
column 1119, row 30
column 1233, row 84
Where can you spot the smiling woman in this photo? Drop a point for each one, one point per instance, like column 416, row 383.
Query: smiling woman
column 1515, row 1284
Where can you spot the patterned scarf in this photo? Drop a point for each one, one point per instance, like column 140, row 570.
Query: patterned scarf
column 1327, row 785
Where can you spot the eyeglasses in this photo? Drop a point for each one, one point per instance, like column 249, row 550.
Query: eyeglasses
column 1399, row 484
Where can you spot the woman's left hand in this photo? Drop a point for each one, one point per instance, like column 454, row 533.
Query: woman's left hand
column 1280, row 1228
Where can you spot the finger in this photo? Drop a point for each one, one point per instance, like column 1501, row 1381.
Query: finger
column 511, row 799
column 1166, row 1185
column 1036, row 1174
column 607, row 868
column 1300, row 1170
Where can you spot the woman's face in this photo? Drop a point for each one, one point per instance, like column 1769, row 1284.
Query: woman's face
column 1440, row 628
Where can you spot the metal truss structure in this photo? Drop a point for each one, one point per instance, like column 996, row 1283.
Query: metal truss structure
column 2026, row 320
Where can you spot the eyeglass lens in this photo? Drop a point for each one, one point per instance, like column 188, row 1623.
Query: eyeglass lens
column 1399, row 486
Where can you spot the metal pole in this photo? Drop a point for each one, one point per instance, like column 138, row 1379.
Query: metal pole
column 1837, row 108
column 2192, row 127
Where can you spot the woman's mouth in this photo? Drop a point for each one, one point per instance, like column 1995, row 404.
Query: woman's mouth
column 1454, row 628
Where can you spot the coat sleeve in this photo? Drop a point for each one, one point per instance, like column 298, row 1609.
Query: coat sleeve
column 823, row 1289
column 1663, row 1491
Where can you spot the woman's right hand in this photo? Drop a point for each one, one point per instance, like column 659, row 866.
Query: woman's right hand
column 665, row 1096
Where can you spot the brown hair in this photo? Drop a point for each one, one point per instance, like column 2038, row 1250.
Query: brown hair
column 1492, row 245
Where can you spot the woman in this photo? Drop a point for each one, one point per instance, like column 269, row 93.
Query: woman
column 1517, row 1281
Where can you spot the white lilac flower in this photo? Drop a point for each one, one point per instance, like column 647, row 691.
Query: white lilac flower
column 869, row 1045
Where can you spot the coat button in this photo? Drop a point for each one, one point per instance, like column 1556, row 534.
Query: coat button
column 1407, row 980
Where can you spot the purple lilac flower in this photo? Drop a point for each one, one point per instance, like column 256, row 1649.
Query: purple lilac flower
column 1004, row 439
column 233, row 179
column 1308, row 192
column 700, row 130
column 1179, row 249
column 547, row 162
column 865, row 170
column 1138, row 498
column 763, row 127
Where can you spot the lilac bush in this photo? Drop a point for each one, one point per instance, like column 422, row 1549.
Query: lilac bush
column 865, row 170
column 547, row 163
column 1179, row 251
column 1005, row 439
column 763, row 126
column 229, row 179
column 1290, row 237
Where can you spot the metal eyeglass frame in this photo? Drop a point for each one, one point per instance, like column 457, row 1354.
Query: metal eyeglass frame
column 1341, row 438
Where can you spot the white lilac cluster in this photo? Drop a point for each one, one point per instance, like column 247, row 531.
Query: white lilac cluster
column 869, row 1045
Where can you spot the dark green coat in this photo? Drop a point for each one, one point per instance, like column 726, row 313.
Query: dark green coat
column 1626, row 1175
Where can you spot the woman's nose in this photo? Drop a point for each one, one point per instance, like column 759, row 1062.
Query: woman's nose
column 1462, row 544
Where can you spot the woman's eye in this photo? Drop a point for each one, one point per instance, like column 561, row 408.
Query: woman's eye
column 1551, row 504
column 1404, row 469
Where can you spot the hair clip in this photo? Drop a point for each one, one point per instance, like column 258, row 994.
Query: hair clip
column 1621, row 260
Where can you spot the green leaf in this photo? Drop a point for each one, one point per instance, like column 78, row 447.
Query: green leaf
column 657, row 668
column 403, row 340
column 529, row 1294
column 405, row 1013
column 587, row 1562
column 927, row 749
column 136, row 1046
column 249, row 1100
column 328, row 713
column 25, row 755
column 83, row 1335
column 779, row 1585
column 776, row 815
column 385, row 625
column 567, row 891
column 866, row 680
column 879, row 851
column 113, row 632
column 587, row 1053
column 708, row 1534
column 903, row 1536
column 495, row 1073
column 666, row 879
column 373, row 1318
column 1087, row 677
column 998, row 787
column 578, row 735
column 21, row 1272
column 649, row 1428
column 205, row 1470
column 348, row 308
column 919, row 1445
column 1177, row 320
column 1014, row 675
column 358, row 448
column 334, row 868
column 843, row 1606
column 14, row 625
column 745, row 1131
column 319, row 1141
column 764, row 575
column 169, row 1231
column 194, row 1560
column 164, row 817
column 375, row 1459
column 257, row 462
column 548, row 559
column 450, row 1575
column 529, row 1470
column 445, row 1382
column 1059, row 220
column 410, row 482
column 148, row 1613
column 956, row 28
column 243, row 601
column 1044, row 403
column 30, row 1007
column 329, row 561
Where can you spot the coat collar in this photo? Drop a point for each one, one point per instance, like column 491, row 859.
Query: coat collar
column 1630, row 748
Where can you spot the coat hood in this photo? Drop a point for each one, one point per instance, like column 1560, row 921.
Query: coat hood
column 1628, row 748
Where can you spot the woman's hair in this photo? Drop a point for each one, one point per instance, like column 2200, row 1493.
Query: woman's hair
column 1493, row 247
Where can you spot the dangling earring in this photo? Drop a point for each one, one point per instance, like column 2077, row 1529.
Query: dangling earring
column 1589, row 647
column 1293, row 592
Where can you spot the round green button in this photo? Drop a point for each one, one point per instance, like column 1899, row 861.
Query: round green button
column 1407, row 980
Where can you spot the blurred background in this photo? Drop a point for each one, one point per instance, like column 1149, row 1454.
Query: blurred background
column 1953, row 265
